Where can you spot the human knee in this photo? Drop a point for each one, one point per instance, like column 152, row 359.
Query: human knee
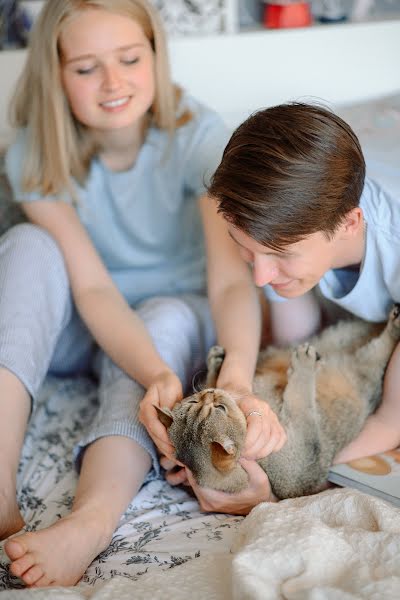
column 167, row 313
column 35, row 249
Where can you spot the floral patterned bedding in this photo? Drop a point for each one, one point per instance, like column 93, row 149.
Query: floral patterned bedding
column 161, row 529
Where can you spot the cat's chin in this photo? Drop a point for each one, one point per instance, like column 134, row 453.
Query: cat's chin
column 231, row 483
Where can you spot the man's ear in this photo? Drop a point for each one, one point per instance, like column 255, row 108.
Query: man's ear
column 165, row 416
column 223, row 454
column 352, row 222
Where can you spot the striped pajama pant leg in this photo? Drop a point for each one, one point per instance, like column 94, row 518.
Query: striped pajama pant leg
column 182, row 331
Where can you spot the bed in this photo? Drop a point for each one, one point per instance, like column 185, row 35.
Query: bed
column 340, row 544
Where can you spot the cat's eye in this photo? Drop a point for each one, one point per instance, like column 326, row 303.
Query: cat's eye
column 192, row 401
column 222, row 407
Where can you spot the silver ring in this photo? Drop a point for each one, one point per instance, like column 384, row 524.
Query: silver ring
column 254, row 412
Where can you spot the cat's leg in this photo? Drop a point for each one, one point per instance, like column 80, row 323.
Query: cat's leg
column 371, row 359
column 215, row 359
column 299, row 394
column 297, row 469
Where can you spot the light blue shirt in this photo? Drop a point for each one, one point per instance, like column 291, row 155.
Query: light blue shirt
column 369, row 293
column 145, row 222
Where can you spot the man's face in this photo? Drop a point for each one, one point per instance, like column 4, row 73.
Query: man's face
column 294, row 270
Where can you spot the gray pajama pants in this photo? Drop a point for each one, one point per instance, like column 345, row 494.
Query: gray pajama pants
column 41, row 332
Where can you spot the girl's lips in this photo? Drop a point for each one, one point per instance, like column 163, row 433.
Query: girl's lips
column 115, row 105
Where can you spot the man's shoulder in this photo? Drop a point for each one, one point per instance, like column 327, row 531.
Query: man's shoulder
column 381, row 210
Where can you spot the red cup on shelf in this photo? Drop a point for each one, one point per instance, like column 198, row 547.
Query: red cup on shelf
column 293, row 14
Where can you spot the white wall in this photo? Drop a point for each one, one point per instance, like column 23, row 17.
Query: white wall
column 338, row 63
column 239, row 73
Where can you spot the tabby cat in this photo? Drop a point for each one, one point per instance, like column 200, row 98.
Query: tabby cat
column 322, row 392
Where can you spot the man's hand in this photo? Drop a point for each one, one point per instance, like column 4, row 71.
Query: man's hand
column 258, row 490
column 165, row 391
column 264, row 432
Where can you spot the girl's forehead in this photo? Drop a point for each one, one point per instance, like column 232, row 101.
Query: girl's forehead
column 95, row 30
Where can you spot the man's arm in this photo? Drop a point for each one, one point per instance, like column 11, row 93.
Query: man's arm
column 382, row 429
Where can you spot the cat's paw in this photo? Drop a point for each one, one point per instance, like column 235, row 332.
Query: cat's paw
column 215, row 359
column 305, row 356
column 394, row 321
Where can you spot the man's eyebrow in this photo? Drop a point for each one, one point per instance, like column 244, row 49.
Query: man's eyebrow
column 86, row 56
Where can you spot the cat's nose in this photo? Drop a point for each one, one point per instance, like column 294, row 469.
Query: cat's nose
column 208, row 397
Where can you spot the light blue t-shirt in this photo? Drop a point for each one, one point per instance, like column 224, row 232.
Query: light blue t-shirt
column 369, row 293
column 145, row 222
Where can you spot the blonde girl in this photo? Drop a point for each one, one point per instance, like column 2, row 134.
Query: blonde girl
column 109, row 163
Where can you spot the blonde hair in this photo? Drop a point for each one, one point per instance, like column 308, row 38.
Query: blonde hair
column 58, row 146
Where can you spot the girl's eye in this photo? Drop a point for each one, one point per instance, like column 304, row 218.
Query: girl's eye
column 130, row 61
column 85, row 71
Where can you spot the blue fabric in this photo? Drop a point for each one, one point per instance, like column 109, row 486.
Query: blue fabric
column 370, row 293
column 145, row 222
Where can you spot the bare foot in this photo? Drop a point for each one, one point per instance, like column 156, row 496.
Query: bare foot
column 11, row 520
column 60, row 554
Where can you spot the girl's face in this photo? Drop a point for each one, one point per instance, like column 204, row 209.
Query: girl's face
column 107, row 68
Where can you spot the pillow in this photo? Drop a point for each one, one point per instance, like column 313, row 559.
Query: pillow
column 377, row 124
column 10, row 211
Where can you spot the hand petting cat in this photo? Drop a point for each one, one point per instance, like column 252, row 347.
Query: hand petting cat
column 241, row 503
column 265, row 434
column 164, row 391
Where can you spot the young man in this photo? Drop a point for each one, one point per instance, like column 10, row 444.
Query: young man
column 292, row 188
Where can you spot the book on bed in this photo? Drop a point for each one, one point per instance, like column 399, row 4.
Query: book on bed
column 378, row 475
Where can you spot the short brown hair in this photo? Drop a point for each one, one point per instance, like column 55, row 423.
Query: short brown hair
column 289, row 171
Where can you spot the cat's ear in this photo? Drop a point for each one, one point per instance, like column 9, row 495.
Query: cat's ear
column 165, row 416
column 223, row 454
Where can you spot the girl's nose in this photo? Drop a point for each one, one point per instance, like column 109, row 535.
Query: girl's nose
column 265, row 270
column 111, row 78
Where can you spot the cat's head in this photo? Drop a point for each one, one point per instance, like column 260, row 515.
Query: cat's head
column 208, row 431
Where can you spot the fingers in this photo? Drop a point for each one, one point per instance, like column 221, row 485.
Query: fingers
column 148, row 416
column 176, row 477
column 169, row 463
column 241, row 503
column 264, row 432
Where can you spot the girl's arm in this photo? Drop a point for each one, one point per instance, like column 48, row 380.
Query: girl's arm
column 113, row 324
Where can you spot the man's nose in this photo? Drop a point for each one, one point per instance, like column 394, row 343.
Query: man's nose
column 265, row 270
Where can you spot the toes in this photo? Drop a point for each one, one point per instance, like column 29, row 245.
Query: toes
column 44, row 581
column 14, row 549
column 33, row 575
column 21, row 565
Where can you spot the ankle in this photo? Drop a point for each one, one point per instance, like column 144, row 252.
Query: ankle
column 97, row 520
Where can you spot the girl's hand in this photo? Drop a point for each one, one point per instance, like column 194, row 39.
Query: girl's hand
column 258, row 490
column 264, row 432
column 165, row 391
column 173, row 475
